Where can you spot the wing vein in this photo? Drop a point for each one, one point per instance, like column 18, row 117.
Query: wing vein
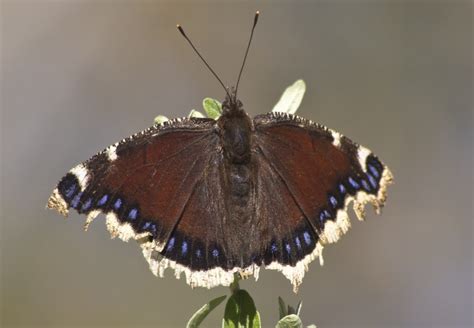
column 287, row 187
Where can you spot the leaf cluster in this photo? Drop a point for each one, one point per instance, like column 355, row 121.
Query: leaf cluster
column 289, row 102
column 241, row 312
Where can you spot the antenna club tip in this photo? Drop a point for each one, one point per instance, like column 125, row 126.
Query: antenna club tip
column 180, row 29
column 257, row 14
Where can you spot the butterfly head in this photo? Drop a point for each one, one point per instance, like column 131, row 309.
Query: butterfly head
column 231, row 104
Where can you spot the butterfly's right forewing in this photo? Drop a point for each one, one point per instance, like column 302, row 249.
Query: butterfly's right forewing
column 316, row 172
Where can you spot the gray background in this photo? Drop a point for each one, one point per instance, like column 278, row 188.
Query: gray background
column 395, row 76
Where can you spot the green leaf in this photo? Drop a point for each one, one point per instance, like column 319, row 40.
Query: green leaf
column 240, row 312
column 282, row 309
column 290, row 321
column 291, row 98
column 160, row 119
column 195, row 113
column 202, row 313
column 212, row 107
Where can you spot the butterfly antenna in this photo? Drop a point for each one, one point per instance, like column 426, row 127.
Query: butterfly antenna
column 204, row 61
column 255, row 20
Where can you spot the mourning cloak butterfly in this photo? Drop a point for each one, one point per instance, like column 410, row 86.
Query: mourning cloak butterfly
column 214, row 197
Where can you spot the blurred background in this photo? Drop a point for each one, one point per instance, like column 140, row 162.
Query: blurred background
column 395, row 76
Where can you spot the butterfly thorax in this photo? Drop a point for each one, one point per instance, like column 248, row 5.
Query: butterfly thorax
column 235, row 129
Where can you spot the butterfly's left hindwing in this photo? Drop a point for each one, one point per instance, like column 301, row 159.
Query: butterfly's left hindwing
column 137, row 182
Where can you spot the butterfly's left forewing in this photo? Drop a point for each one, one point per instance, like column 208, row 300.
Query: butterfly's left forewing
column 142, row 183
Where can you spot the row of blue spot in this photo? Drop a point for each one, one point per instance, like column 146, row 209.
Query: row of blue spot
column 70, row 189
column 180, row 250
column 373, row 176
column 307, row 240
column 184, row 248
column 86, row 205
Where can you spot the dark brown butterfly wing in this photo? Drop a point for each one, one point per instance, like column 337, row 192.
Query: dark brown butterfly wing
column 322, row 172
column 286, row 236
column 198, row 246
column 168, row 188
column 142, row 183
column 214, row 240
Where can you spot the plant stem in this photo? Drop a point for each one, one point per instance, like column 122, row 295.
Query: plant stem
column 234, row 286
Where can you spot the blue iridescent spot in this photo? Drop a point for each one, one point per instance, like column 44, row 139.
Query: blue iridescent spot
column 353, row 183
column 198, row 253
column 153, row 229
column 215, row 252
column 324, row 215
column 132, row 215
column 365, row 185
column 333, row 201
column 372, row 181
column 146, row 225
column 273, row 248
column 118, row 203
column 297, row 242
column 70, row 190
column 374, row 171
column 103, row 200
column 288, row 248
column 342, row 189
column 184, row 248
column 170, row 244
column 75, row 200
column 307, row 238
column 87, row 204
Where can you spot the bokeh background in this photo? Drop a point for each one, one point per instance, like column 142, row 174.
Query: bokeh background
column 396, row 76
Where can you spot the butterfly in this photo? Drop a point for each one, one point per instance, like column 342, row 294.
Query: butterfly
column 211, row 198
